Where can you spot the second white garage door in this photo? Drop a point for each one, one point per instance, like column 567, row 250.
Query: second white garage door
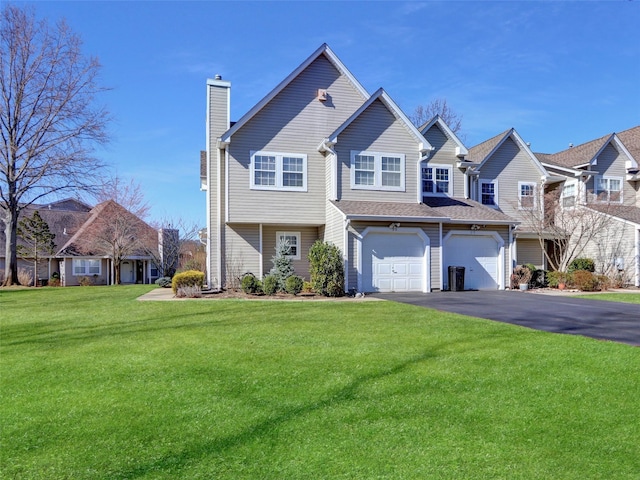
column 479, row 255
column 393, row 262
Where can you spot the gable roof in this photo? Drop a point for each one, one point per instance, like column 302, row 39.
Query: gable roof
column 393, row 108
column 461, row 150
column 322, row 50
column 627, row 142
column 482, row 152
column 631, row 140
column 71, row 247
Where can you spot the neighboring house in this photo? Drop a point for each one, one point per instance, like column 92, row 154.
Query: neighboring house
column 73, row 222
column 603, row 175
column 506, row 175
column 319, row 158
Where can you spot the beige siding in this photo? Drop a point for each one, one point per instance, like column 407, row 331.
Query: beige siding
column 377, row 130
column 308, row 235
column 242, row 252
column 293, row 122
column 334, row 228
column 528, row 250
column 613, row 164
column 616, row 240
column 445, row 154
column 508, row 166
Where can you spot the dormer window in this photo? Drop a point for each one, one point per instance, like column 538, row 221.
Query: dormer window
column 436, row 180
column 609, row 189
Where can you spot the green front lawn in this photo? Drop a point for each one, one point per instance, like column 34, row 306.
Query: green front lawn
column 614, row 297
column 96, row 385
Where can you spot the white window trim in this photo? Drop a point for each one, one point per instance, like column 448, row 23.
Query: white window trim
column 534, row 196
column 298, row 240
column 435, row 166
column 608, row 177
column 86, row 266
column 563, row 196
column 279, row 172
column 495, row 192
column 377, row 175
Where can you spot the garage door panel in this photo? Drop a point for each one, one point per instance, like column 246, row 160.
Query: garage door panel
column 393, row 262
column 479, row 255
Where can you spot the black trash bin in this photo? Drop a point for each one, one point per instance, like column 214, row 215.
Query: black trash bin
column 456, row 279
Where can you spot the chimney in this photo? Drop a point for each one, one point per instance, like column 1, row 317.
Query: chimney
column 218, row 107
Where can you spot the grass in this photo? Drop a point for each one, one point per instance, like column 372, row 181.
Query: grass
column 96, row 385
column 614, row 297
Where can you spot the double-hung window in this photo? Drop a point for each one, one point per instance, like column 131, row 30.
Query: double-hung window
column 377, row 171
column 292, row 239
column 609, row 189
column 488, row 193
column 526, row 195
column 86, row 266
column 569, row 192
column 278, row 171
column 436, row 180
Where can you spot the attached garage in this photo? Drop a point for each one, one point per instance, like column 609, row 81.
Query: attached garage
column 393, row 260
column 482, row 256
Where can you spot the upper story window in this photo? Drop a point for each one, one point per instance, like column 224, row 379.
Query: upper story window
column 609, row 189
column 86, row 266
column 436, row 180
column 526, row 195
column 292, row 239
column 377, row 171
column 488, row 193
column 569, row 193
column 278, row 171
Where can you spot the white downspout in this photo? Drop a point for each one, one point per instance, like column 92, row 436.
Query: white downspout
column 345, row 255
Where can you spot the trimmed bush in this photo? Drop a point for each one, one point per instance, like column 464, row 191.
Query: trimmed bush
column 164, row 282
column 250, row 284
column 190, row 278
column 554, row 278
column 582, row 264
column 270, row 285
column 585, row 280
column 294, row 284
column 327, row 269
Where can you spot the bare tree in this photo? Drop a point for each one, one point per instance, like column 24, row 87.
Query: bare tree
column 565, row 232
column 439, row 106
column 127, row 194
column 48, row 119
column 177, row 245
column 115, row 232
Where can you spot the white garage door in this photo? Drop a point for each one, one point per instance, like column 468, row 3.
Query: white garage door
column 479, row 255
column 393, row 262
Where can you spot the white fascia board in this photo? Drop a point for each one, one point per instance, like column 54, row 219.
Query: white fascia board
column 322, row 50
column 528, row 151
column 397, row 218
column 594, row 159
column 631, row 163
column 461, row 150
column 494, row 149
column 380, row 94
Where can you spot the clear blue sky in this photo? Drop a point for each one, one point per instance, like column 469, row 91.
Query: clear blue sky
column 559, row 72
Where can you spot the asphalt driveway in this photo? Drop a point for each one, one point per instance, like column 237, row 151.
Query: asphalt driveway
column 618, row 322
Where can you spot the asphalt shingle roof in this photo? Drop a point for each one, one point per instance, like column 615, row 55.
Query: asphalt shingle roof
column 435, row 208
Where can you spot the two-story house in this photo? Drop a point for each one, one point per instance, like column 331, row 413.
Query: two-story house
column 603, row 176
column 321, row 158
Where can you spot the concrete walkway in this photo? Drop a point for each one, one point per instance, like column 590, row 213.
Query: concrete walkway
column 557, row 312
